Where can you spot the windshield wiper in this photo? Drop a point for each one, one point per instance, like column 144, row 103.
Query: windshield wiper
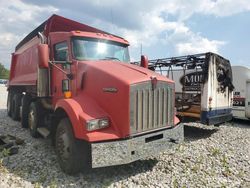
column 112, row 58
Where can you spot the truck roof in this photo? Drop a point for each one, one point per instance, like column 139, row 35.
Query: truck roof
column 58, row 23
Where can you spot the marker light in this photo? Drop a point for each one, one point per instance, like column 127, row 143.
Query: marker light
column 67, row 94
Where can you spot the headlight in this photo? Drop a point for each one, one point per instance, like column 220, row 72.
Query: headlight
column 97, row 124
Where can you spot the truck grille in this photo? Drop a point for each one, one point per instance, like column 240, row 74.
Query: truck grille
column 151, row 108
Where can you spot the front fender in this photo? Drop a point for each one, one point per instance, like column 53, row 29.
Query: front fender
column 79, row 111
column 73, row 110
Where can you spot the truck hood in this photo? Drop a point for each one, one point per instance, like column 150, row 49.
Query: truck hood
column 124, row 72
column 108, row 83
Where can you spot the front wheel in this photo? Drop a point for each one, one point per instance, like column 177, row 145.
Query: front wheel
column 73, row 154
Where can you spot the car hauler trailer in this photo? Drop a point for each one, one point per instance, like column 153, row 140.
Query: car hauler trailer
column 74, row 83
column 203, row 86
column 241, row 99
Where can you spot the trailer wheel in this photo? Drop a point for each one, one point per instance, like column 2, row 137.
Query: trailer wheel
column 73, row 154
column 15, row 107
column 34, row 118
column 26, row 100
column 9, row 103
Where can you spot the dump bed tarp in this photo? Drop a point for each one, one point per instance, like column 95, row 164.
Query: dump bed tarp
column 58, row 23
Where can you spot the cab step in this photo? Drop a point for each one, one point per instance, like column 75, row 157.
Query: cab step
column 43, row 131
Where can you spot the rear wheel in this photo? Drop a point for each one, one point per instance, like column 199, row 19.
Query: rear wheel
column 15, row 107
column 26, row 100
column 73, row 154
column 34, row 118
column 9, row 103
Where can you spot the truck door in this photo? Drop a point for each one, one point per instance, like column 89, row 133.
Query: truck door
column 247, row 102
column 59, row 78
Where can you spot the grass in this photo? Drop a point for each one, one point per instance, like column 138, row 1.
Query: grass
column 42, row 178
column 4, row 153
column 1, row 165
column 195, row 168
column 37, row 185
column 224, row 160
column 175, row 183
column 180, row 148
column 215, row 151
column 53, row 184
column 225, row 164
column 241, row 173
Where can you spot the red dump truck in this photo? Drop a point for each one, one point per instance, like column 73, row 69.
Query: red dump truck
column 74, row 83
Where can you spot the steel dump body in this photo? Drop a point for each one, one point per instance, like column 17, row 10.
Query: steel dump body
column 130, row 101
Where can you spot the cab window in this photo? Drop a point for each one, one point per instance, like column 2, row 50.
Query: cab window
column 61, row 51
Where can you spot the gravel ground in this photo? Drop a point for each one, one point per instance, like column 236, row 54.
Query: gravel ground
column 209, row 157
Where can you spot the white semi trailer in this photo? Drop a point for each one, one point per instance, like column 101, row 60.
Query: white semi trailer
column 241, row 99
column 203, row 85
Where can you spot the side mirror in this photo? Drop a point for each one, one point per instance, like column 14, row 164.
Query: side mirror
column 43, row 55
column 144, row 61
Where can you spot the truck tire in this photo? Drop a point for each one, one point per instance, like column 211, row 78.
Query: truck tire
column 9, row 103
column 26, row 100
column 34, row 118
column 73, row 155
column 16, row 103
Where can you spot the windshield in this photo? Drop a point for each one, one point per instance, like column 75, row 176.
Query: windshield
column 96, row 49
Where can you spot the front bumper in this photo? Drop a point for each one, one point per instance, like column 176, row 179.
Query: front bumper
column 132, row 149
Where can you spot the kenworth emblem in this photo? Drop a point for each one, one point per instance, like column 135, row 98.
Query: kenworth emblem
column 110, row 89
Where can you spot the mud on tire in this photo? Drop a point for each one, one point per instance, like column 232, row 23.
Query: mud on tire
column 15, row 106
column 35, row 118
column 73, row 155
column 9, row 103
column 26, row 100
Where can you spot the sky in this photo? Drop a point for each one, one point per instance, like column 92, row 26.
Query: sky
column 158, row 28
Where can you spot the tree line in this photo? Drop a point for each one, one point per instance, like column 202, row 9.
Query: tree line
column 4, row 73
